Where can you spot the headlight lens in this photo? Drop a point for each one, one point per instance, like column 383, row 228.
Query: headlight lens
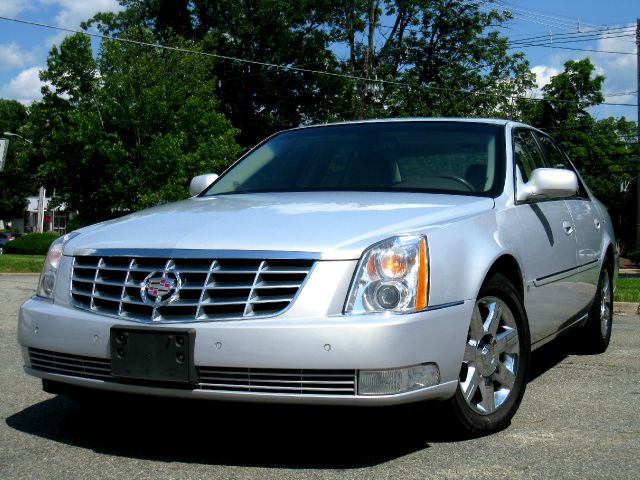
column 392, row 276
column 47, row 282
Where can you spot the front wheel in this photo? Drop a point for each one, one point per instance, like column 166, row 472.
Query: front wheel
column 495, row 365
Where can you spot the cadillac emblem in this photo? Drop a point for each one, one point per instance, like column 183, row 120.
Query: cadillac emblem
column 160, row 288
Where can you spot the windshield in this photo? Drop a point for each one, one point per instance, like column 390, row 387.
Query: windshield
column 447, row 157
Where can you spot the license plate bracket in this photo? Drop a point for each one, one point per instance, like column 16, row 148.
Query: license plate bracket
column 153, row 354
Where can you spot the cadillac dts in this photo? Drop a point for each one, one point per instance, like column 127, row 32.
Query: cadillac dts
column 364, row 263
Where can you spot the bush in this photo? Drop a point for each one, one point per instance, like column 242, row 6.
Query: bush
column 31, row 244
column 634, row 257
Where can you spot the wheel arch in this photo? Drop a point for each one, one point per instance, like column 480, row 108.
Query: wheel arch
column 509, row 267
column 609, row 257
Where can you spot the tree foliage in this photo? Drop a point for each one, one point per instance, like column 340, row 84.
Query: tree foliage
column 419, row 57
column 127, row 129
column 602, row 150
column 15, row 180
column 439, row 58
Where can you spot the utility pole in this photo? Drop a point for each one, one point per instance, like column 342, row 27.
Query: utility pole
column 638, row 139
column 41, row 200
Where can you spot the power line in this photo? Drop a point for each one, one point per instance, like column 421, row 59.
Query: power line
column 589, row 131
column 600, row 172
column 577, row 39
column 570, row 48
column 607, row 155
column 603, row 33
column 621, row 94
column 598, row 32
column 538, row 16
column 290, row 67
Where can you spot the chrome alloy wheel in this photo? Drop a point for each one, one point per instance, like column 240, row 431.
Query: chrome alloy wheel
column 605, row 304
column 491, row 357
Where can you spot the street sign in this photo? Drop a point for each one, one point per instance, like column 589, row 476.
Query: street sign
column 4, row 146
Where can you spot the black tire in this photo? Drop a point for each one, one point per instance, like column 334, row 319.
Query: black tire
column 495, row 366
column 596, row 333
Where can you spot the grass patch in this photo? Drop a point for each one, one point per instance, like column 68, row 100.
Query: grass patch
column 10, row 263
column 628, row 289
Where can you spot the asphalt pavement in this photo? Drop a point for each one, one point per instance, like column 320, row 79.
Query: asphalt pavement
column 579, row 419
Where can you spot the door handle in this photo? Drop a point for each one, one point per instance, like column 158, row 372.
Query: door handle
column 596, row 222
column 568, row 227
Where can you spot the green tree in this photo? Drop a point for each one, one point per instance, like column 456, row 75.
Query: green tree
column 602, row 150
column 447, row 50
column 438, row 58
column 257, row 98
column 567, row 97
column 15, row 181
column 129, row 128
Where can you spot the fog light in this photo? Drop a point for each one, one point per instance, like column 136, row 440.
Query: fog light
column 397, row 380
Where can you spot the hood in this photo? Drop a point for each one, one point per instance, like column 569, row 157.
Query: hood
column 332, row 225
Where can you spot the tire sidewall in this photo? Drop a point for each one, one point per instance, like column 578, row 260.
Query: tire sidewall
column 594, row 341
column 499, row 286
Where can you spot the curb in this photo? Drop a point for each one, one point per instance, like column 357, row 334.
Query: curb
column 8, row 274
column 626, row 308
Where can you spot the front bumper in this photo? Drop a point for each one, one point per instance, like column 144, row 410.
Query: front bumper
column 330, row 344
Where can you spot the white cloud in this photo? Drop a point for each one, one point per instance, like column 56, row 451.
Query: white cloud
column 11, row 56
column 10, row 8
column 72, row 12
column 543, row 76
column 25, row 87
column 619, row 70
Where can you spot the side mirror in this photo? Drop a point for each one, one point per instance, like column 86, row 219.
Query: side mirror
column 200, row 182
column 548, row 183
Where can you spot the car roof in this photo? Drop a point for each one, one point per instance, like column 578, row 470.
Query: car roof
column 488, row 121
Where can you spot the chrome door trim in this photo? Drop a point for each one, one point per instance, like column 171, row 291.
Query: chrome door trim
column 554, row 277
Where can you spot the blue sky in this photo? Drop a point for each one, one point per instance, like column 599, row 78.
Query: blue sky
column 24, row 48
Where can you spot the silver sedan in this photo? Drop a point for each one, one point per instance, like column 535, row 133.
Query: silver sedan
column 362, row 263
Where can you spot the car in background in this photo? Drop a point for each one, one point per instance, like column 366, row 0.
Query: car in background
column 6, row 237
column 365, row 263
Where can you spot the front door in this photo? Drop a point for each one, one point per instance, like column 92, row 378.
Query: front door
column 548, row 250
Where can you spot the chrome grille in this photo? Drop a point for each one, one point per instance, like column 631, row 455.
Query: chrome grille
column 214, row 379
column 212, row 289
column 305, row 382
column 72, row 365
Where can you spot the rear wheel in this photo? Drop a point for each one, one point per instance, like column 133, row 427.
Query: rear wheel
column 596, row 334
column 496, row 359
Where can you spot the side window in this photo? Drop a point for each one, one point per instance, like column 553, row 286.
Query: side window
column 556, row 159
column 551, row 152
column 527, row 155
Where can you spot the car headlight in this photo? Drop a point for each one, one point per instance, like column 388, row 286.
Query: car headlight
column 392, row 276
column 47, row 282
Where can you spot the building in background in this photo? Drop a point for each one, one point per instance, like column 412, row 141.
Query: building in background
column 55, row 219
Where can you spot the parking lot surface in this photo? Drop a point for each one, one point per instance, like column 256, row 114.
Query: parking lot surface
column 579, row 419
